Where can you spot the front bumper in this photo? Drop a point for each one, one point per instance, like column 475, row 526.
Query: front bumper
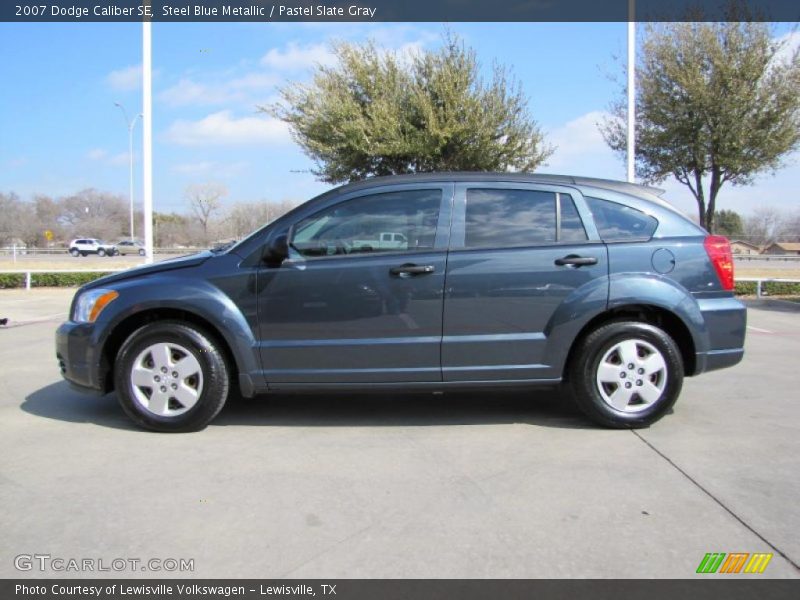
column 726, row 324
column 78, row 358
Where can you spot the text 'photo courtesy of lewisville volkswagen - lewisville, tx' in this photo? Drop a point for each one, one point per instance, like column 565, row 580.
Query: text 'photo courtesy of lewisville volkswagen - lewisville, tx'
column 399, row 300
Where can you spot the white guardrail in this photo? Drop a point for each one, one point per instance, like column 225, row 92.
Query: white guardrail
column 18, row 251
column 767, row 257
column 760, row 281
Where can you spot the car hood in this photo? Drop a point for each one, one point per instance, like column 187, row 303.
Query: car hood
column 180, row 262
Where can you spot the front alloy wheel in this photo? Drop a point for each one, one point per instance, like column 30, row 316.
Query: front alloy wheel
column 166, row 379
column 171, row 376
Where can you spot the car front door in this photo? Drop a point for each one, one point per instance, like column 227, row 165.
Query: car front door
column 518, row 252
column 344, row 307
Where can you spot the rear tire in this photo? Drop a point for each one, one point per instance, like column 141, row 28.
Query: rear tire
column 625, row 374
column 141, row 252
column 171, row 376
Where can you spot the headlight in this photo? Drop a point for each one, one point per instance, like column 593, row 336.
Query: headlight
column 91, row 303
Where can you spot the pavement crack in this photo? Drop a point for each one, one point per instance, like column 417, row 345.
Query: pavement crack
column 326, row 550
column 37, row 321
column 730, row 511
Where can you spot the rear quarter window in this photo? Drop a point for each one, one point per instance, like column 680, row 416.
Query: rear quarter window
column 619, row 223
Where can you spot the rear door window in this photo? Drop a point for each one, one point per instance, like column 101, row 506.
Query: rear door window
column 509, row 218
column 505, row 218
column 572, row 229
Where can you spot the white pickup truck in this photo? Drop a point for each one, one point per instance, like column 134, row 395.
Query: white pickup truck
column 387, row 240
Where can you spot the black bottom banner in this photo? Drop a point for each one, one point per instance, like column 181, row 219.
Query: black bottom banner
column 397, row 589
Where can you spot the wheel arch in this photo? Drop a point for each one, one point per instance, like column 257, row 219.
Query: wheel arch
column 650, row 314
column 131, row 323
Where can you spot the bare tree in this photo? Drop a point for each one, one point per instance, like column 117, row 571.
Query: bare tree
column 245, row 217
column 93, row 213
column 763, row 225
column 205, row 199
column 789, row 227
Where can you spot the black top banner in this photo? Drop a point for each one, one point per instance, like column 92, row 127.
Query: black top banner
column 399, row 10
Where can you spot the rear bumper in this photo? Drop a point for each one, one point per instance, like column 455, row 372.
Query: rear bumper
column 726, row 323
column 718, row 359
column 77, row 356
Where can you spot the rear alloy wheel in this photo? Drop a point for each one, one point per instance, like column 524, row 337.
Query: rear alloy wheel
column 171, row 376
column 141, row 251
column 626, row 374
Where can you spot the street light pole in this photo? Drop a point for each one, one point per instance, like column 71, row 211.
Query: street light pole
column 130, row 124
column 631, row 138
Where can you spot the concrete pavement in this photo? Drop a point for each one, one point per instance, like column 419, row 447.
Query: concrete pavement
column 460, row 485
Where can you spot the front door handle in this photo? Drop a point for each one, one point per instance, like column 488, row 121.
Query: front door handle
column 574, row 260
column 410, row 269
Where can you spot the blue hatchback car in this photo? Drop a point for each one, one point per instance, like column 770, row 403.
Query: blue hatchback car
column 423, row 282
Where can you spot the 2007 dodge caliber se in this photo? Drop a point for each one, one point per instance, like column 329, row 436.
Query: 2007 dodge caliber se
column 423, row 282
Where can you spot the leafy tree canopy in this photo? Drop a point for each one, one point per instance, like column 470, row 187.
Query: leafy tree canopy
column 715, row 103
column 728, row 223
column 380, row 113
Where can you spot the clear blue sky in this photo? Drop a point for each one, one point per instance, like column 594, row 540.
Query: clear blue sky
column 60, row 131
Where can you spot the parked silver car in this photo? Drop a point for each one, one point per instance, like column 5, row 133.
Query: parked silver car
column 126, row 247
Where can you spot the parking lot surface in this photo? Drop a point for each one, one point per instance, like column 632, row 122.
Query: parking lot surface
column 454, row 485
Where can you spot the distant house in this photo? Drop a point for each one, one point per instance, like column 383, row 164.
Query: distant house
column 742, row 247
column 783, row 248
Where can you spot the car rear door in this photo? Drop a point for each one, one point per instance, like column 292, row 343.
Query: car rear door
column 347, row 308
column 517, row 253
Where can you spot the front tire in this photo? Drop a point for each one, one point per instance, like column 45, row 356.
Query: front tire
column 101, row 252
column 141, row 252
column 74, row 252
column 625, row 374
column 171, row 376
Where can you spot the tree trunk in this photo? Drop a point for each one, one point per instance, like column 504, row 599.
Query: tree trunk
column 712, row 198
column 699, row 195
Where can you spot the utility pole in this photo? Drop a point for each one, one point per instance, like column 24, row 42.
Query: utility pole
column 631, row 91
column 147, row 135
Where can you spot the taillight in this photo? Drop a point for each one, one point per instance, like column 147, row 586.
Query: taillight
column 718, row 249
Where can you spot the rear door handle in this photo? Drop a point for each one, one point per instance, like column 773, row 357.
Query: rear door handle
column 576, row 261
column 409, row 269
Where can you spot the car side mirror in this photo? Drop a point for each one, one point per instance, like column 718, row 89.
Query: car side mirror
column 277, row 250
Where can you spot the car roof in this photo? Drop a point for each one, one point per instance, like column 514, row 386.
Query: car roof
column 645, row 192
column 609, row 184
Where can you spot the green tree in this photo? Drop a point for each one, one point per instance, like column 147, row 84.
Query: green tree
column 728, row 223
column 380, row 113
column 716, row 103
